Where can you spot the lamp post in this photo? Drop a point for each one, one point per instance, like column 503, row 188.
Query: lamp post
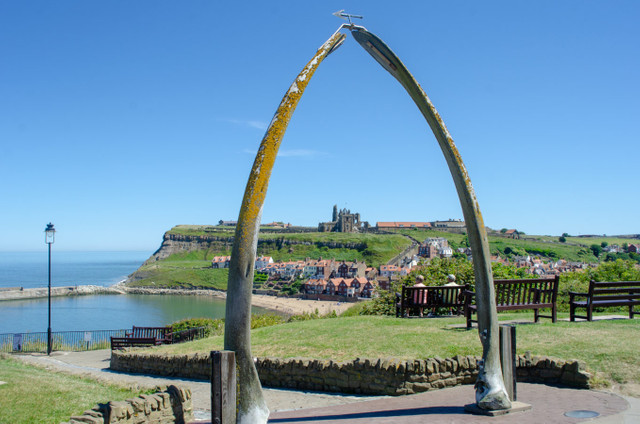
column 49, row 238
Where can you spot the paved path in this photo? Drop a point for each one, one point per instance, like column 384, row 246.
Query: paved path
column 549, row 404
column 96, row 365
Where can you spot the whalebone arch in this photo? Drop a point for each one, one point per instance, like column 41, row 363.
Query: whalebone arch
column 490, row 390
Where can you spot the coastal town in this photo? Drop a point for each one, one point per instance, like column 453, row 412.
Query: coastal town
column 329, row 279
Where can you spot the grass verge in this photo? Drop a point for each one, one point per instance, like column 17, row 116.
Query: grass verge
column 34, row 395
column 608, row 347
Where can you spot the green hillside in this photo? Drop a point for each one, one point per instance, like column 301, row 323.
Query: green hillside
column 192, row 269
column 576, row 249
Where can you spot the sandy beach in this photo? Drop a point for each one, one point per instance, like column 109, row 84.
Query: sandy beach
column 289, row 306
column 298, row 306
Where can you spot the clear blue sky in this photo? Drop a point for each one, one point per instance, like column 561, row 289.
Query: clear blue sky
column 121, row 119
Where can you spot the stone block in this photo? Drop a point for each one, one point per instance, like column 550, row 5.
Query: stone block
column 473, row 362
column 417, row 378
column 410, row 367
column 433, row 377
column 442, row 364
column 550, row 374
column 84, row 419
column 137, row 405
column 450, row 382
column 420, row 387
column 438, row 384
column 120, row 410
column 463, row 362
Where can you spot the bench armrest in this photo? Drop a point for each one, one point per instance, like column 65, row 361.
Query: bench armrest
column 468, row 295
column 575, row 294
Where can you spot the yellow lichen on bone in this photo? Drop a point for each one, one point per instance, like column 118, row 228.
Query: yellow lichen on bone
column 261, row 171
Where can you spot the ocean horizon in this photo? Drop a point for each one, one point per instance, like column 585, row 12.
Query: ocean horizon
column 68, row 268
column 90, row 312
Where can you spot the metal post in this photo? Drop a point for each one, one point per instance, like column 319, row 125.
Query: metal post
column 49, row 326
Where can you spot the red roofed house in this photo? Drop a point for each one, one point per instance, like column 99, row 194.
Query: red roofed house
column 220, row 262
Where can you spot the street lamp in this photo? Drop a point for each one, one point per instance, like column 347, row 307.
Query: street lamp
column 49, row 238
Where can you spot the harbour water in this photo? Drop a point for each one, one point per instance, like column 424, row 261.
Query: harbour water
column 94, row 312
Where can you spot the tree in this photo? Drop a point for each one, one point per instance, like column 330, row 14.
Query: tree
column 604, row 244
column 596, row 249
column 565, row 235
column 504, row 230
column 562, row 239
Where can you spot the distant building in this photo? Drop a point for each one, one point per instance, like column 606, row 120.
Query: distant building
column 343, row 221
column 220, row 262
column 277, row 225
column 514, row 234
column 449, row 224
column 434, row 247
column 228, row 223
column 402, row 224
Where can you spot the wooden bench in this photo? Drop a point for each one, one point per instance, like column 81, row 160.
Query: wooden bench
column 606, row 294
column 162, row 334
column 122, row 342
column 143, row 336
column 413, row 300
column 513, row 295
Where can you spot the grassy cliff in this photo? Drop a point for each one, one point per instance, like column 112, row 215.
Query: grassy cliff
column 184, row 259
column 188, row 250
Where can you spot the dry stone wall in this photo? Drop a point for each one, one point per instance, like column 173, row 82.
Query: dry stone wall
column 167, row 406
column 387, row 376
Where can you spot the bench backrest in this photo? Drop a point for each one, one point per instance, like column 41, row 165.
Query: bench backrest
column 155, row 332
column 526, row 292
column 434, row 296
column 614, row 290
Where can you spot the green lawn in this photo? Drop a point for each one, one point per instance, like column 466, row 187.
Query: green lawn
column 34, row 395
column 608, row 347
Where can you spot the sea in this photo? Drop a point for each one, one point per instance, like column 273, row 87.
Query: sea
column 91, row 312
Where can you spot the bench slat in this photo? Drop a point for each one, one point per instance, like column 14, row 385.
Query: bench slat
column 414, row 299
column 535, row 293
column 617, row 284
column 607, row 294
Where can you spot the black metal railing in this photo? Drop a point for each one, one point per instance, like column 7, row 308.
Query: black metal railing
column 61, row 340
column 77, row 341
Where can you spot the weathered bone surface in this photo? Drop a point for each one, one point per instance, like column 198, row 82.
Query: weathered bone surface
column 490, row 391
column 252, row 408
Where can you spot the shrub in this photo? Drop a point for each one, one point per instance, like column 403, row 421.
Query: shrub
column 212, row 326
column 266, row 320
column 435, row 274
